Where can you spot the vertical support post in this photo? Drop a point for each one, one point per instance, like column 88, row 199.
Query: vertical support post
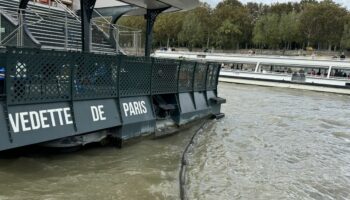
column 135, row 42
column 193, row 85
column 257, row 67
column 116, row 38
column 66, row 32
column 23, row 4
column 151, row 17
column 329, row 72
column 20, row 29
column 87, row 7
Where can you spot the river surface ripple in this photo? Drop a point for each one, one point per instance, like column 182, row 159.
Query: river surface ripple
column 273, row 144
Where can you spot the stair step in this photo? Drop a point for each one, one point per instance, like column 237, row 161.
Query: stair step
column 49, row 28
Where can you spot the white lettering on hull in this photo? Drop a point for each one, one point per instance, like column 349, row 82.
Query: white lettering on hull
column 98, row 113
column 34, row 120
column 134, row 108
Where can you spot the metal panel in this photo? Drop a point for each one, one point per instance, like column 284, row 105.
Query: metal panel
column 200, row 101
column 136, row 109
column 164, row 76
column 37, row 123
column 135, row 76
column 186, row 103
column 96, row 115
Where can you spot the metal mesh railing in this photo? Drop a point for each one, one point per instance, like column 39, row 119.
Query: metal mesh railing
column 37, row 76
column 186, row 76
column 43, row 76
column 164, row 76
column 95, row 76
column 135, row 76
column 212, row 76
column 200, row 75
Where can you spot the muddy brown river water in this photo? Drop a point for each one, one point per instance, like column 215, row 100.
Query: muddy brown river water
column 273, row 144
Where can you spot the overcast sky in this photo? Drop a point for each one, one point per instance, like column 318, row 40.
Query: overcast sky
column 214, row 2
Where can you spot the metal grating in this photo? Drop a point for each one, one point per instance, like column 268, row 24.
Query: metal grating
column 186, row 76
column 95, row 76
column 164, row 76
column 134, row 76
column 37, row 76
column 212, row 76
column 200, row 75
column 42, row 76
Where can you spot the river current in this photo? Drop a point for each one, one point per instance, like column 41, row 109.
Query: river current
column 273, row 144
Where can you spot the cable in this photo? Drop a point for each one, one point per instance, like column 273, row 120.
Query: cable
column 182, row 174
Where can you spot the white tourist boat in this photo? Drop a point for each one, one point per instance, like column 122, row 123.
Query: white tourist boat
column 288, row 72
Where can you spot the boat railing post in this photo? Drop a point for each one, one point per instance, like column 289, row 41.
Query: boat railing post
column 66, row 32
column 329, row 72
column 116, row 39
column 257, row 67
column 20, row 42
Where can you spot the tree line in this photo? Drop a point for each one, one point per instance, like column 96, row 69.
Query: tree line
column 233, row 25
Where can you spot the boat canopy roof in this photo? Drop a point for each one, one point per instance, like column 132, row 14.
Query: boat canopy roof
column 254, row 59
column 139, row 7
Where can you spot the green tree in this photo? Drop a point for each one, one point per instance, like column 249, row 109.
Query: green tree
column 233, row 23
column 289, row 31
column 345, row 41
column 323, row 23
column 195, row 27
column 266, row 31
column 165, row 32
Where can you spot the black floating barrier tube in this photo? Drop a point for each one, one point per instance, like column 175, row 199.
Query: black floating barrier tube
column 182, row 174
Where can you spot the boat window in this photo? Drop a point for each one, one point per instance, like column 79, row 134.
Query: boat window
column 337, row 73
column 278, row 69
column 318, row 72
column 239, row 67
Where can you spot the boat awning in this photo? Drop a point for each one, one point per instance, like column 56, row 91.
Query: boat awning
column 139, row 7
column 255, row 59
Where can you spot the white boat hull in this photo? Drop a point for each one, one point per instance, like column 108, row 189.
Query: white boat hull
column 321, row 85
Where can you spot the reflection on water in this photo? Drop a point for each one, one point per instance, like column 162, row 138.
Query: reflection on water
column 273, row 144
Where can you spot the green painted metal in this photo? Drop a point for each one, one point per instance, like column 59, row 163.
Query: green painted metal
column 95, row 76
column 134, row 76
column 73, row 93
column 186, row 72
column 165, row 76
column 200, row 76
column 42, row 76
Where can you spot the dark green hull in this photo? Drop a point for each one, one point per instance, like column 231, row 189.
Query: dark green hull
column 52, row 95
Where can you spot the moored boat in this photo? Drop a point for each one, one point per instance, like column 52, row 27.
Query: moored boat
column 298, row 73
